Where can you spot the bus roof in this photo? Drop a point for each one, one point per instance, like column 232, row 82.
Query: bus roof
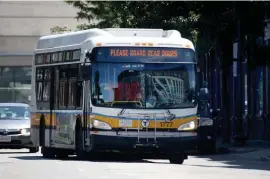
column 113, row 37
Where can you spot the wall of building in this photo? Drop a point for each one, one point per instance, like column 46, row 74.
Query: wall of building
column 22, row 24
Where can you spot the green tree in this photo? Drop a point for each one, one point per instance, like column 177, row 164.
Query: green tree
column 218, row 26
column 210, row 25
column 137, row 14
column 59, row 30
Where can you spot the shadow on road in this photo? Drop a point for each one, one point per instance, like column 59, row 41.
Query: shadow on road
column 225, row 160
column 234, row 161
column 113, row 159
column 4, row 153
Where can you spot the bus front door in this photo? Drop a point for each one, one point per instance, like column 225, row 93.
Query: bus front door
column 86, row 113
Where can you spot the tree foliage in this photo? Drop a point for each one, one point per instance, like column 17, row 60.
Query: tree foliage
column 59, row 30
column 137, row 14
column 207, row 24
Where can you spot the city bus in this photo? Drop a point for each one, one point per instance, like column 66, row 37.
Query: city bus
column 115, row 90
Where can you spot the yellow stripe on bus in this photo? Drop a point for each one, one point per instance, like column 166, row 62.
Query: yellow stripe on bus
column 114, row 121
column 35, row 119
column 175, row 123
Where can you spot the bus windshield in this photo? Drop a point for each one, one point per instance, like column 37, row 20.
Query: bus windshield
column 143, row 85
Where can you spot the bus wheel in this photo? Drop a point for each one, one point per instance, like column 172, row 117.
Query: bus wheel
column 79, row 141
column 62, row 154
column 178, row 158
column 33, row 149
column 176, row 161
column 47, row 152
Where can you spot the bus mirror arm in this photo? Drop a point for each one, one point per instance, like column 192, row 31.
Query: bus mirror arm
column 88, row 56
column 85, row 72
column 86, row 66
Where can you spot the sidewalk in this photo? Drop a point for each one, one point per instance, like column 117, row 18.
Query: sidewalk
column 253, row 151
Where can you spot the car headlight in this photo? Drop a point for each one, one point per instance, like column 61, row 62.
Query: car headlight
column 25, row 131
column 206, row 122
column 187, row 126
column 100, row 124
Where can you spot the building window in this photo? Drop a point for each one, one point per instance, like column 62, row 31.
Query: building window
column 15, row 84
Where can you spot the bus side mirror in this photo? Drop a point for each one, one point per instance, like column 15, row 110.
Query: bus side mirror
column 88, row 57
column 86, row 72
column 204, row 94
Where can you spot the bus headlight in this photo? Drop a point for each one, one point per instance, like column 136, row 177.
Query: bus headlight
column 187, row 126
column 206, row 122
column 25, row 131
column 100, row 124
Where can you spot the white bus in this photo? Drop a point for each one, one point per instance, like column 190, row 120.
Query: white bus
column 125, row 90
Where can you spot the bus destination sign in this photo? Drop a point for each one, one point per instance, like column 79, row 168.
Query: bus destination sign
column 144, row 54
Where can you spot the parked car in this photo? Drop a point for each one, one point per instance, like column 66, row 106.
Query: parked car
column 15, row 127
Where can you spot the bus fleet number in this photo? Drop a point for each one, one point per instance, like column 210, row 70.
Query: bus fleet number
column 166, row 124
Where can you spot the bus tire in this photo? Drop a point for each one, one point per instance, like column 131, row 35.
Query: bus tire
column 47, row 152
column 33, row 149
column 61, row 154
column 81, row 154
column 178, row 158
column 42, row 131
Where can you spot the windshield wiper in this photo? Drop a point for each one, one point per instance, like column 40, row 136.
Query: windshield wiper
column 121, row 112
column 170, row 115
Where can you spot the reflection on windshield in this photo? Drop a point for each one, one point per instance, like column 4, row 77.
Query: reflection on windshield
column 14, row 112
column 143, row 85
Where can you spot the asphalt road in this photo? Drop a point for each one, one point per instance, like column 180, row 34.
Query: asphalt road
column 23, row 165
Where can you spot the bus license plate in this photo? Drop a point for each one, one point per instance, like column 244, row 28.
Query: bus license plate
column 125, row 123
column 5, row 138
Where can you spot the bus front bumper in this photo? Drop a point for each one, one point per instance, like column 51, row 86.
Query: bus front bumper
column 145, row 141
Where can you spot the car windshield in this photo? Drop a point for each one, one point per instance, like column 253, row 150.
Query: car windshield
column 14, row 112
column 144, row 85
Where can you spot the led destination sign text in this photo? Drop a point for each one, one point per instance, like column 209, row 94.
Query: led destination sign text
column 142, row 53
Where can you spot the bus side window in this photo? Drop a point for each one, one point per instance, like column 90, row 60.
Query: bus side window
column 63, row 87
column 72, row 93
column 39, row 91
column 39, row 86
column 43, row 84
column 62, row 94
column 79, row 95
